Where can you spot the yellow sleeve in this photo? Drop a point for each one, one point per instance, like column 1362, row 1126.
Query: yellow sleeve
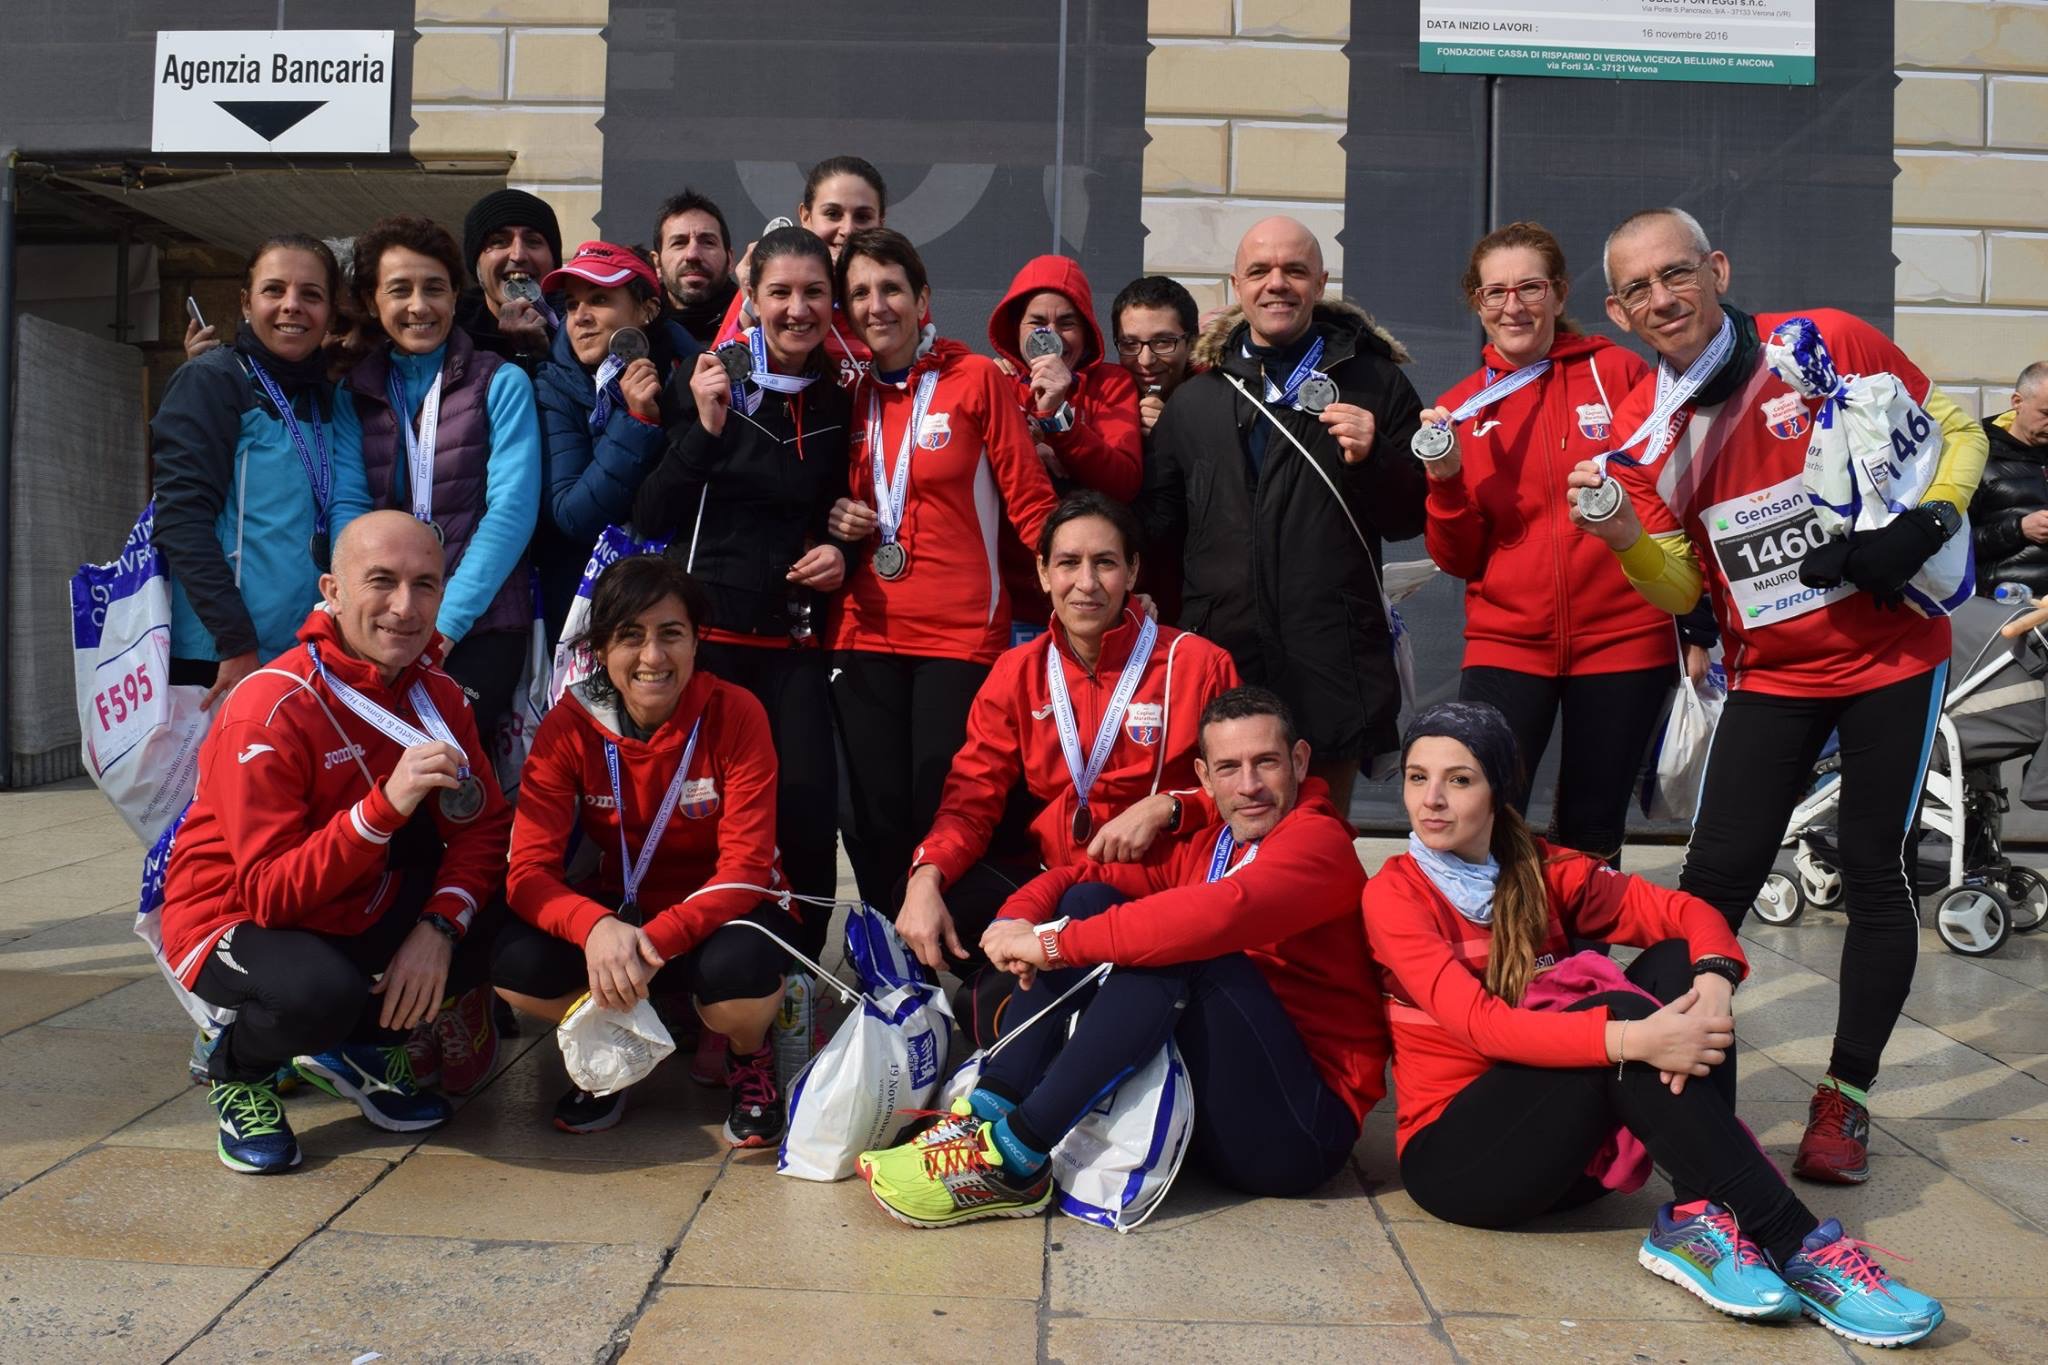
column 1665, row 570
column 1964, row 448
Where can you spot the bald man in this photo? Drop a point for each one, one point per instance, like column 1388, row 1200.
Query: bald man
column 1285, row 462
column 287, row 900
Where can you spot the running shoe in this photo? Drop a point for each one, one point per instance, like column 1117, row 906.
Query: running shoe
column 955, row 1181
column 379, row 1081
column 1836, row 1147
column 423, row 1050
column 254, row 1137
column 579, row 1111
column 467, row 1032
column 1699, row 1248
column 707, row 1063
column 1843, row 1288
column 951, row 1126
column 756, row 1118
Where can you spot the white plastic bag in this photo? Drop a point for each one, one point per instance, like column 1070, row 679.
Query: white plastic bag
column 1873, row 454
column 514, row 739
column 1116, row 1165
column 605, row 1050
column 1672, row 790
column 149, row 928
column 140, row 735
column 572, row 663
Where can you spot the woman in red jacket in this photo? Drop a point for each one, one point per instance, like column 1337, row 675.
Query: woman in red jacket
column 1531, row 1081
column 1550, row 624
column 1132, row 688
column 942, row 469
column 670, row 776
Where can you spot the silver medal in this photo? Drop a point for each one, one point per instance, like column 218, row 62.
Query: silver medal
column 1043, row 341
column 1601, row 501
column 1431, row 442
column 1317, row 392
column 777, row 224
column 629, row 344
column 523, row 289
column 738, row 362
column 465, row 801
column 891, row 560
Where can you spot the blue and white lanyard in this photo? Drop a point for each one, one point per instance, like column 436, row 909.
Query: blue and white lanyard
column 1302, row 371
column 1514, row 381
column 634, row 871
column 1219, row 861
column 749, row 397
column 1674, row 391
column 1112, row 715
column 608, row 371
column 399, row 732
column 419, row 447
column 319, row 472
column 891, row 492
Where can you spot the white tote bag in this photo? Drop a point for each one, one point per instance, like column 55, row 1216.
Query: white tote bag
column 1116, row 1165
column 1672, row 789
column 149, row 928
column 521, row 722
column 572, row 663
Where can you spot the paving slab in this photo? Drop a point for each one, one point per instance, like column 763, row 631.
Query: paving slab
column 27, row 997
column 1978, row 1329
column 59, row 1308
column 701, row 1322
column 176, row 1208
column 325, row 1127
column 2007, row 1159
column 1531, row 1274
column 102, row 881
column 1586, row 1341
column 60, row 803
column 500, row 1199
column 345, row 1294
column 39, row 1130
column 28, row 852
column 1079, row 1340
column 1323, row 1259
column 99, row 940
column 144, row 1006
column 40, row 1060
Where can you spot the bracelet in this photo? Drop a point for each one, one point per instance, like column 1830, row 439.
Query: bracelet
column 1621, row 1049
column 444, row 925
column 1727, row 968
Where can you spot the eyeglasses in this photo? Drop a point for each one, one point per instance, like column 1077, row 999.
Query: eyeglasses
column 1162, row 346
column 1494, row 297
column 1677, row 279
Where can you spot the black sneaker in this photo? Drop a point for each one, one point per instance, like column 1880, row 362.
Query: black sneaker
column 756, row 1118
column 579, row 1111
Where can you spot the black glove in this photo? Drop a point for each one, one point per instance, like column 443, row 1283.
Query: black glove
column 1825, row 564
column 1883, row 561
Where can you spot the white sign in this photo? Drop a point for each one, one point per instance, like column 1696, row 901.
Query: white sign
column 1754, row 42
column 298, row 90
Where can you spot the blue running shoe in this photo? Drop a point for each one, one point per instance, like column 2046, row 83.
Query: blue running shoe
column 254, row 1138
column 379, row 1080
column 1845, row 1290
column 1698, row 1248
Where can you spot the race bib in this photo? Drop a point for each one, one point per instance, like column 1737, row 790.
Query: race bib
column 1758, row 541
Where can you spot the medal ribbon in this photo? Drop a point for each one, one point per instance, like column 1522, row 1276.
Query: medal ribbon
column 891, row 492
column 1302, row 371
column 1219, row 861
column 397, row 731
column 766, row 378
column 1674, row 391
column 1112, row 715
column 419, row 447
column 607, row 375
column 633, row 871
column 319, row 472
column 1514, row 381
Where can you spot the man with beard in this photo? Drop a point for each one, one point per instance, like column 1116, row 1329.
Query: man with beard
column 694, row 251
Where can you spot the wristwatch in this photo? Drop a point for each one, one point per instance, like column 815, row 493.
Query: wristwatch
column 1173, row 820
column 1053, row 423
column 444, row 924
column 1727, row 968
column 1049, row 941
column 1946, row 517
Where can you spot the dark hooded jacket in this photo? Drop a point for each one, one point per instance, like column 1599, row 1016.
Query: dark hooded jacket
column 2015, row 483
column 1275, row 572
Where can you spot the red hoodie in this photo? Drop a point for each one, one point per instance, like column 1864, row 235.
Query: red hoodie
column 1542, row 596
column 973, row 475
column 1012, row 736
column 286, row 831
column 1449, row 1029
column 1292, row 909
column 722, row 831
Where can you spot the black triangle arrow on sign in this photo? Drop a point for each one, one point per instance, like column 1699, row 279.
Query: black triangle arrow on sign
column 268, row 119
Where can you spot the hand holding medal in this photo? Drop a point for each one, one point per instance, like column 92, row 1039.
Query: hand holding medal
column 431, row 766
column 711, row 391
column 639, row 382
column 1601, row 505
column 1436, row 445
column 1354, row 427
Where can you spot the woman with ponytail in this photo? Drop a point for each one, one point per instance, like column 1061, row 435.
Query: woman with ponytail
column 1531, row 1081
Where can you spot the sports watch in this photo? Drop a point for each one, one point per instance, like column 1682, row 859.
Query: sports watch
column 1049, row 941
column 1946, row 517
column 1727, row 968
column 1059, row 420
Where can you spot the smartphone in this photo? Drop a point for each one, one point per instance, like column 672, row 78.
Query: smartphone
column 192, row 307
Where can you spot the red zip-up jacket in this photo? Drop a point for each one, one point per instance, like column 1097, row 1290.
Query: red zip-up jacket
column 722, row 831
column 1448, row 1029
column 287, row 831
column 973, row 478
column 1292, row 909
column 1542, row 596
column 1012, row 736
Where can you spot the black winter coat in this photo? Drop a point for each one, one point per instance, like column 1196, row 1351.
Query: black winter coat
column 1274, row 572
column 2015, row 483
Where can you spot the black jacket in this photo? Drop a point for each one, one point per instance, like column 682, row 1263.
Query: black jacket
column 1273, row 569
column 2015, row 483
column 474, row 316
column 741, row 507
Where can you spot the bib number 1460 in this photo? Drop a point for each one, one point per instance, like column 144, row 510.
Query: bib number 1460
column 1771, row 547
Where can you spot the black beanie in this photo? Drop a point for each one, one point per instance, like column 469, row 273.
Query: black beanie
column 1481, row 728
column 503, row 209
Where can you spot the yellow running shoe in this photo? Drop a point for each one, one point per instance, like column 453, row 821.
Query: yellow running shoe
column 952, row 1124
column 956, row 1180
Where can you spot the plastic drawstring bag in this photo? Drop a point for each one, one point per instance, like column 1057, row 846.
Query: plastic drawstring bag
column 606, row 1050
column 572, row 662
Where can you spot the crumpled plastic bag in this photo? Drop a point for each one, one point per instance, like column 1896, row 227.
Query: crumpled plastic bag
column 606, row 1051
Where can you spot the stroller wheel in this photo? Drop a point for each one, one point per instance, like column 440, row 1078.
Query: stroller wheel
column 2027, row 890
column 1818, row 882
column 1973, row 920
column 1780, row 901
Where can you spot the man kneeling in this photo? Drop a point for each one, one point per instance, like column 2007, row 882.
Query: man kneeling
column 287, row 897
column 1243, row 944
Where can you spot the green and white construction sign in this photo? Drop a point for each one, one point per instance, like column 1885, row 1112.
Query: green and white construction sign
column 1755, row 42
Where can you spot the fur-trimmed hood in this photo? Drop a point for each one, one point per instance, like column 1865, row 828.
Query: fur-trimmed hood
column 1339, row 315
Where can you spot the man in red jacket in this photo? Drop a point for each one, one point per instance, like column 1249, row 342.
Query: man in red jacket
column 1242, row 945
column 345, row 833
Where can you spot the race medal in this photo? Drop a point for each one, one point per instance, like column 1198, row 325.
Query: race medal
column 777, row 224
column 629, row 344
column 523, row 289
column 1083, row 823
column 464, row 801
column 1601, row 501
column 891, row 560
column 1043, row 341
column 322, row 550
column 738, row 362
column 1317, row 392
column 1431, row 443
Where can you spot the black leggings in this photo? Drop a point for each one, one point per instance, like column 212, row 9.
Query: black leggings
column 1608, row 721
column 901, row 719
column 1515, row 1143
column 730, row 964
column 1760, row 766
column 1266, row 1122
column 790, row 685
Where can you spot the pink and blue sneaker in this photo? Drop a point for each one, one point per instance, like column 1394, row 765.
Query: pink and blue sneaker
column 1842, row 1287
column 1699, row 1248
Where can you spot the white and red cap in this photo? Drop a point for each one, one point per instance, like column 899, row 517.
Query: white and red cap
column 604, row 263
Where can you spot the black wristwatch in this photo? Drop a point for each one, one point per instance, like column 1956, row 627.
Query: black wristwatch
column 1173, row 820
column 445, row 925
column 1726, row 968
column 1946, row 517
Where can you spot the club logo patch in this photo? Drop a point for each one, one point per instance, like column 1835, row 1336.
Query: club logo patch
column 936, row 432
column 1595, row 422
column 1143, row 720
column 699, row 798
column 1786, row 416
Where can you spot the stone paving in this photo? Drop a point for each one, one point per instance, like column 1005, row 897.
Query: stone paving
column 499, row 1239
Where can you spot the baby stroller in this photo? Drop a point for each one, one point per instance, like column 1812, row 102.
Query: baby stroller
column 1996, row 709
